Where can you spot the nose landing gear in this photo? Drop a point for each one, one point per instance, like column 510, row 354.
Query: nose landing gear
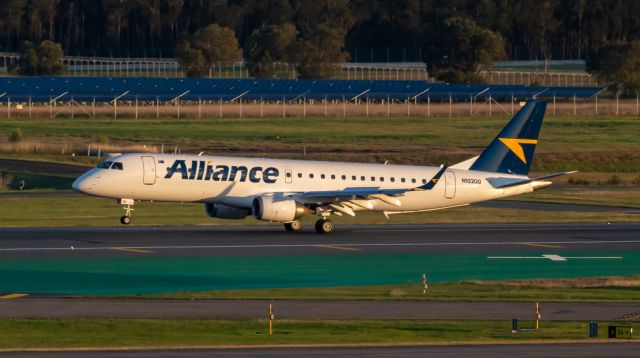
column 294, row 226
column 127, row 203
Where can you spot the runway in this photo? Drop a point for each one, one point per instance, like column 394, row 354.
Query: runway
column 272, row 240
column 147, row 260
column 583, row 350
column 311, row 310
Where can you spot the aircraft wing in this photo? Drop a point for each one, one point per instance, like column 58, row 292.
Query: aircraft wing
column 354, row 192
column 345, row 200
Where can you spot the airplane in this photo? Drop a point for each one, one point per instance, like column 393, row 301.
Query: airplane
column 284, row 191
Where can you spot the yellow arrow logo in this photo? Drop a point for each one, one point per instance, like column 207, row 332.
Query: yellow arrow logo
column 515, row 145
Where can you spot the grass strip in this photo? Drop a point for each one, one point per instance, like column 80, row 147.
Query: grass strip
column 604, row 289
column 84, row 333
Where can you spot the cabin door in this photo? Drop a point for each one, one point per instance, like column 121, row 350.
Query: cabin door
column 149, row 170
column 450, row 185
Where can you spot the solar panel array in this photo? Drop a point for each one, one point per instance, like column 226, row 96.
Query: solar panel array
column 102, row 89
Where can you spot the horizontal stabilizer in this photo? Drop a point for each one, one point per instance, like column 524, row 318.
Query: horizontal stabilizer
column 526, row 181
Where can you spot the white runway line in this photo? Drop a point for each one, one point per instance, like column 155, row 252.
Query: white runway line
column 314, row 245
column 579, row 228
column 556, row 258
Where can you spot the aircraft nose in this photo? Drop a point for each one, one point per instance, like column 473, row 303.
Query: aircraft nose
column 78, row 185
column 82, row 184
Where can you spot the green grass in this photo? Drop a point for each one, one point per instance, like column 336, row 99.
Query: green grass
column 577, row 134
column 568, row 290
column 82, row 333
column 18, row 209
column 602, row 144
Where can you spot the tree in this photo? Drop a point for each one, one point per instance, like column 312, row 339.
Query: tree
column 316, row 56
column 50, row 56
column 208, row 46
column 28, row 63
column 463, row 49
column 269, row 44
column 43, row 60
column 618, row 64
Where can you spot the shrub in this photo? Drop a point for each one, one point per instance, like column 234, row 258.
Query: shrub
column 16, row 136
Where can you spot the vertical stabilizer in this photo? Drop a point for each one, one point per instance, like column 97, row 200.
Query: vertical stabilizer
column 512, row 150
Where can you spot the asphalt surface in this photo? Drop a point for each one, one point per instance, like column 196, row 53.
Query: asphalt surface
column 252, row 309
column 583, row 350
column 271, row 240
column 179, row 250
column 542, row 206
column 27, row 166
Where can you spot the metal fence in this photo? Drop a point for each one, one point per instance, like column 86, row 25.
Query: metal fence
column 585, row 107
column 536, row 78
column 78, row 66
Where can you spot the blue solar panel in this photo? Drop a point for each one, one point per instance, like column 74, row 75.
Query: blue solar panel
column 45, row 89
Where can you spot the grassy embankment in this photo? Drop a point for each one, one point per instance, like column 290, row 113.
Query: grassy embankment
column 139, row 333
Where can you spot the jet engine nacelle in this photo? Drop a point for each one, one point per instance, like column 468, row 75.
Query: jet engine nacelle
column 221, row 211
column 269, row 209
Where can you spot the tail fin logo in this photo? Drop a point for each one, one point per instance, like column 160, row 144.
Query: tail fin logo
column 515, row 146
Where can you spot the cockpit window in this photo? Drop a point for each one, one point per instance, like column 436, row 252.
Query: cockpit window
column 117, row 166
column 104, row 165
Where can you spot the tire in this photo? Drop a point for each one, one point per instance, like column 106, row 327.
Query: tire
column 324, row 226
column 125, row 220
column 293, row 226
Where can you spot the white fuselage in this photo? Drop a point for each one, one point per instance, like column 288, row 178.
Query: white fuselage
column 203, row 179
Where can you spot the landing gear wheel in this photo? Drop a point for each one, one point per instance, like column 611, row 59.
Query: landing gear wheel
column 293, row 226
column 324, row 226
column 125, row 220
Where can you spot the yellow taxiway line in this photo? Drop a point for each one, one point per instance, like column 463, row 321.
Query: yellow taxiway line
column 339, row 247
column 133, row 250
column 13, row 295
column 543, row 245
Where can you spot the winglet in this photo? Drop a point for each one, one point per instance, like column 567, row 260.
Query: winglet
column 432, row 183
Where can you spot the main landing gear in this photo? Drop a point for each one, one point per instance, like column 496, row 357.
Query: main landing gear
column 323, row 226
column 127, row 203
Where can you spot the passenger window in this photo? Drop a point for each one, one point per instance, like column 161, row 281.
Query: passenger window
column 104, row 165
column 311, row 175
column 288, row 174
column 117, row 166
column 299, row 175
column 333, row 176
column 402, row 180
column 413, row 180
column 321, row 176
column 424, row 181
column 362, row 178
column 381, row 178
column 373, row 178
column 353, row 177
column 344, row 177
column 393, row 179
